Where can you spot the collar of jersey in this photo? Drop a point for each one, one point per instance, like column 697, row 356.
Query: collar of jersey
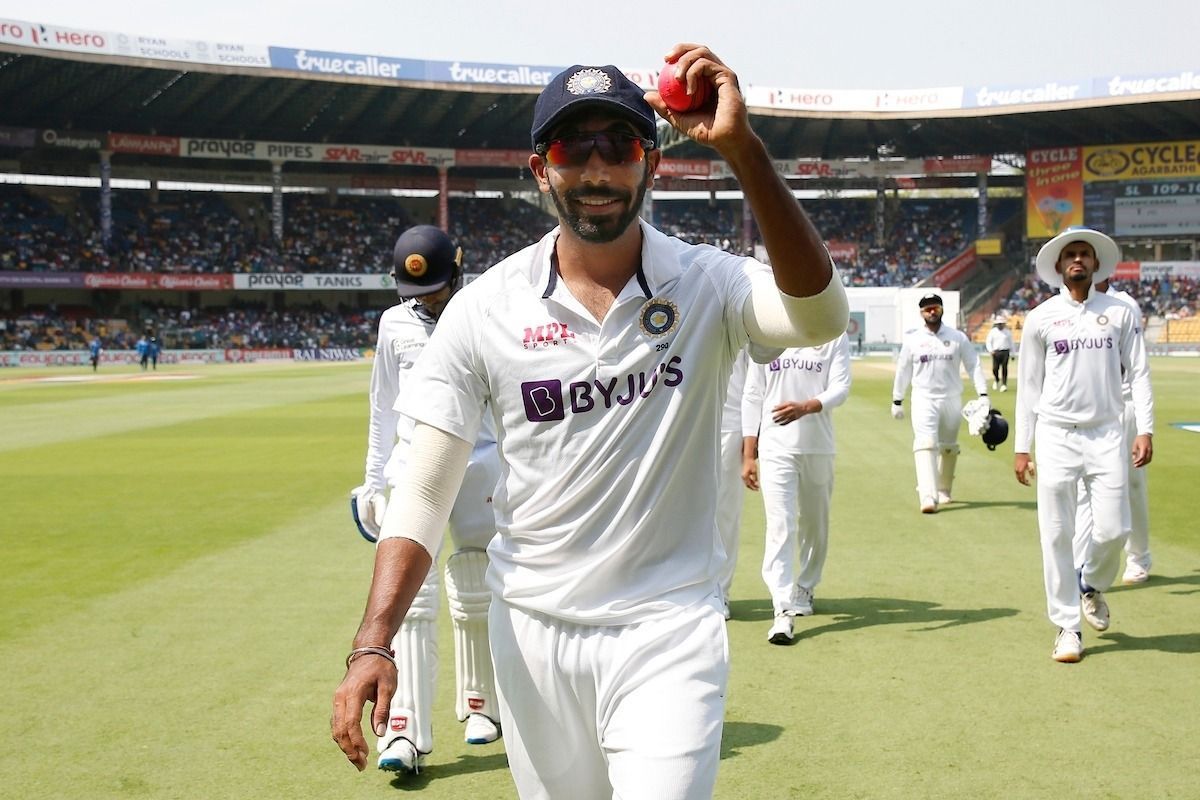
column 658, row 265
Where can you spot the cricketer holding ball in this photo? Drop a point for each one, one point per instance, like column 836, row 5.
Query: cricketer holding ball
column 428, row 270
column 1074, row 349
column 602, row 353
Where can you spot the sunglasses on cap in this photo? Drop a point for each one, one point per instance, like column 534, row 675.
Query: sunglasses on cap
column 614, row 147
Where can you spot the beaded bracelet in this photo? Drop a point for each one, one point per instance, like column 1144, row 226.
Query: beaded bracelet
column 382, row 652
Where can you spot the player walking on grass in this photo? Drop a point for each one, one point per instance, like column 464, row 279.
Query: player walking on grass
column 1136, row 509
column 787, row 421
column 428, row 270
column 1074, row 349
column 930, row 357
column 603, row 353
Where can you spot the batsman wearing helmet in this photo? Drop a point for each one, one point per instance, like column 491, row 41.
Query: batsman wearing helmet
column 428, row 270
column 930, row 357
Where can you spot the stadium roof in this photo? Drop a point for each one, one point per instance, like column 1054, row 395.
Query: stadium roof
column 97, row 96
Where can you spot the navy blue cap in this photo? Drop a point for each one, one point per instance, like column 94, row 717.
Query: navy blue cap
column 930, row 300
column 425, row 260
column 578, row 86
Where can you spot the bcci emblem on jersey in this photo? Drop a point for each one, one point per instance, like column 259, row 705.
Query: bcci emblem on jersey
column 659, row 317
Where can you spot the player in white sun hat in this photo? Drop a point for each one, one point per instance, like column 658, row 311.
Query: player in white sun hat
column 930, row 359
column 428, row 271
column 603, row 354
column 1075, row 347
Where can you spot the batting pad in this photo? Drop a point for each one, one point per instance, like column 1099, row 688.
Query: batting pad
column 411, row 713
column 469, row 597
column 925, row 455
column 947, row 461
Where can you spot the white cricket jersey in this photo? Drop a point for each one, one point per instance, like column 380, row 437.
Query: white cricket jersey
column 404, row 330
column 731, row 414
column 930, row 361
column 403, row 333
column 1072, row 355
column 998, row 339
column 800, row 373
column 607, row 431
column 1126, row 387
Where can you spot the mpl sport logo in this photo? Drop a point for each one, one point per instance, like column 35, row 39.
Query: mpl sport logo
column 545, row 401
column 398, row 724
column 550, row 334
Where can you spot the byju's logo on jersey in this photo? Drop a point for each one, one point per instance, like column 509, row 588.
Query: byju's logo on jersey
column 549, row 335
column 810, row 364
column 545, row 401
column 659, row 317
column 1064, row 346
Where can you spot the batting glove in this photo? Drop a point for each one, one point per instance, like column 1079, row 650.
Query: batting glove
column 897, row 411
column 367, row 506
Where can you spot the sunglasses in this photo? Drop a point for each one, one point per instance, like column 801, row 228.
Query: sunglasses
column 614, row 147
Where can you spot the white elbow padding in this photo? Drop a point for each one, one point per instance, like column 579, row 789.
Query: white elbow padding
column 780, row 320
column 424, row 495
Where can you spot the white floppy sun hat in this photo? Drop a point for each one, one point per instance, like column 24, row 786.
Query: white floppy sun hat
column 1107, row 254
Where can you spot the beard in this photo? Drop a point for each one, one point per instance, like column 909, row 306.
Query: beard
column 1081, row 276
column 574, row 214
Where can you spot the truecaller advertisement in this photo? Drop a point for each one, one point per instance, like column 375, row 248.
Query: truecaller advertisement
column 324, row 62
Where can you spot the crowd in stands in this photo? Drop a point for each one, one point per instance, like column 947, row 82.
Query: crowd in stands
column 213, row 233
column 490, row 231
column 241, row 325
column 198, row 232
column 1168, row 297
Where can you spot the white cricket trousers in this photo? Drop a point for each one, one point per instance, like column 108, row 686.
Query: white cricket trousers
column 796, row 491
column 1135, row 515
column 1065, row 456
column 731, row 493
column 935, row 420
column 1138, row 546
column 612, row 712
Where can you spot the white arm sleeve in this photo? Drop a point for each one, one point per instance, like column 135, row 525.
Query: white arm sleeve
column 778, row 320
column 428, row 484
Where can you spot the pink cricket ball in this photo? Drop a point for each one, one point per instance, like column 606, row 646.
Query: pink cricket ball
column 674, row 91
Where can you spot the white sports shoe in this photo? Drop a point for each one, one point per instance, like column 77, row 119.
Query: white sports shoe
column 1068, row 646
column 781, row 630
column 944, row 499
column 481, row 730
column 1135, row 573
column 401, row 756
column 1095, row 609
column 928, row 505
column 802, row 601
column 995, row 385
column 1004, row 387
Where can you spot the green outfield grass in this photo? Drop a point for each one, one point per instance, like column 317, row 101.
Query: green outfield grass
column 181, row 580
